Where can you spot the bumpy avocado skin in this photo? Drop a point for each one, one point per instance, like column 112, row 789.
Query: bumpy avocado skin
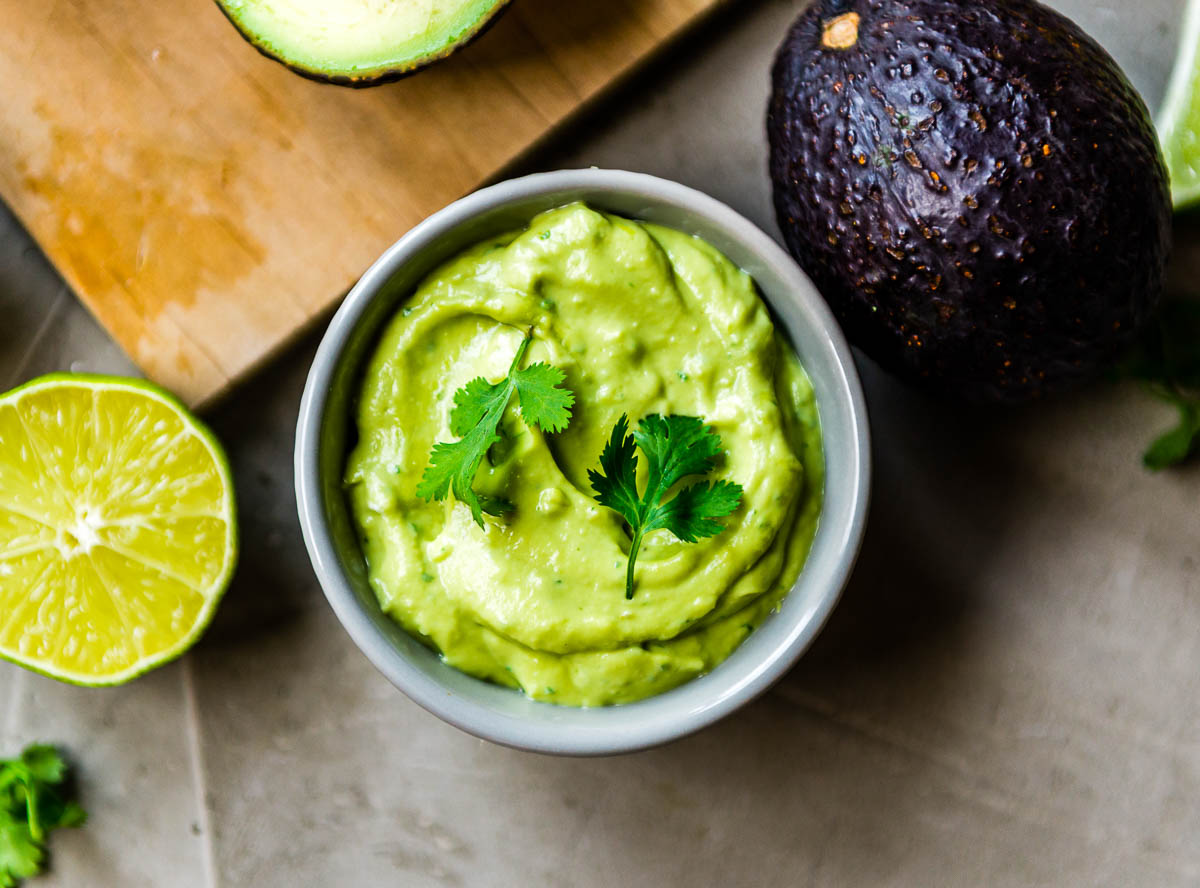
column 975, row 188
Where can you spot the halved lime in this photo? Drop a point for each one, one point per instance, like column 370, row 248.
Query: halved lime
column 1179, row 120
column 117, row 527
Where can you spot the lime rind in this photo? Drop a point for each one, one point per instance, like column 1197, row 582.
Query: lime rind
column 213, row 592
column 1179, row 119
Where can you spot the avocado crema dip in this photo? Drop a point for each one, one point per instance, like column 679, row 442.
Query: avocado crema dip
column 642, row 320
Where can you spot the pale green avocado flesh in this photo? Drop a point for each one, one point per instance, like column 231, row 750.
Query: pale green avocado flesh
column 359, row 41
column 642, row 319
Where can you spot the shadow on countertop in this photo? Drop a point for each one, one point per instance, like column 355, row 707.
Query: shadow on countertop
column 274, row 581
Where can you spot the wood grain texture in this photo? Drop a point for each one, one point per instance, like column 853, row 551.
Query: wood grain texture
column 207, row 204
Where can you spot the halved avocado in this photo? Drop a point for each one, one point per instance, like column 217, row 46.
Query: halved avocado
column 359, row 42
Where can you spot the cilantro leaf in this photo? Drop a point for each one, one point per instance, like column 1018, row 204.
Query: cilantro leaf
column 20, row 856
column 31, row 804
column 675, row 448
column 475, row 419
column 691, row 514
column 473, row 401
column 44, row 763
column 72, row 816
column 615, row 484
column 543, row 403
column 452, row 466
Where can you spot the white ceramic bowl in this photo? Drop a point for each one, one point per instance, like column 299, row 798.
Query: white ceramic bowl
column 500, row 714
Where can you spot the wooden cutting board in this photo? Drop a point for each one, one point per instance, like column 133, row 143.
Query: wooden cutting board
column 207, row 204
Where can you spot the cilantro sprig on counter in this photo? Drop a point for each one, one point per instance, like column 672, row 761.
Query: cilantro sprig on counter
column 475, row 419
column 31, row 805
column 1167, row 361
column 676, row 447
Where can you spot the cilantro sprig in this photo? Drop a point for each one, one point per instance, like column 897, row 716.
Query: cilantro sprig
column 475, row 419
column 31, row 805
column 675, row 447
column 1167, row 362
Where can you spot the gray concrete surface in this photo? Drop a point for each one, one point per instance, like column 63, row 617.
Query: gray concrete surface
column 1009, row 695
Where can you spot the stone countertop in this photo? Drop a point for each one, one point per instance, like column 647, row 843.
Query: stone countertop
column 1008, row 695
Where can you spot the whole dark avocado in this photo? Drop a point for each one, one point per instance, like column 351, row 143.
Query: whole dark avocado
column 975, row 188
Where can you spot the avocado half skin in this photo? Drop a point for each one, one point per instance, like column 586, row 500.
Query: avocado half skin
column 373, row 78
column 976, row 189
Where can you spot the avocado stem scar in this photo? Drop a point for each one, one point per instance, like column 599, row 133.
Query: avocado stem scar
column 841, row 32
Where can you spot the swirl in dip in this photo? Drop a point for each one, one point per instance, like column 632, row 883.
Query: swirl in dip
column 642, row 319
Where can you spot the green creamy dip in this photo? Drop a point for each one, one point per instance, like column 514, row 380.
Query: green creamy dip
column 642, row 319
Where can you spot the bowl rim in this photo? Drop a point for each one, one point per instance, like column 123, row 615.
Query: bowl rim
column 655, row 728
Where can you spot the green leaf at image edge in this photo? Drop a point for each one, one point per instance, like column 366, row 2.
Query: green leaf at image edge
column 1167, row 361
column 1180, row 443
column 31, row 805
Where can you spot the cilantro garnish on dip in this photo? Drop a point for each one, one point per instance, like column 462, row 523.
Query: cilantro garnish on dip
column 478, row 407
column 676, row 447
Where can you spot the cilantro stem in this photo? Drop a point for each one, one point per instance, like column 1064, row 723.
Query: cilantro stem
column 634, row 548
column 31, row 810
column 516, row 361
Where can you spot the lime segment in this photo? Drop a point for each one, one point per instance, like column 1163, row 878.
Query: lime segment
column 1179, row 122
column 117, row 527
